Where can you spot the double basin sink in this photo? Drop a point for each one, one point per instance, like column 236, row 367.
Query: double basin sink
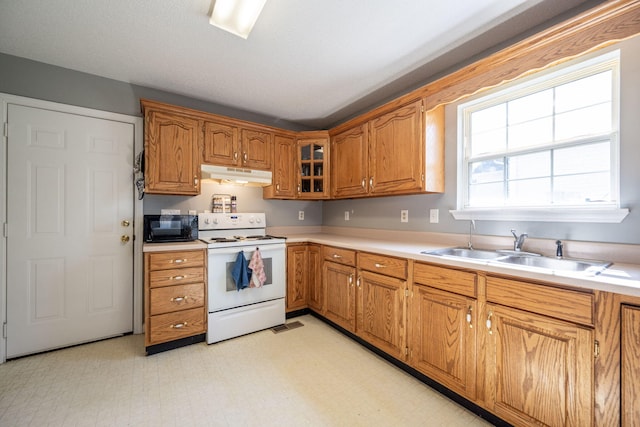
column 525, row 260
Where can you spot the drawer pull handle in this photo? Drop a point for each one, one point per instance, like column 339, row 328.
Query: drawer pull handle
column 378, row 265
column 179, row 261
column 336, row 256
column 178, row 277
column 179, row 325
column 179, row 299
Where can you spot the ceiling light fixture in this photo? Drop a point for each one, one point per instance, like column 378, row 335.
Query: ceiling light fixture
column 236, row 16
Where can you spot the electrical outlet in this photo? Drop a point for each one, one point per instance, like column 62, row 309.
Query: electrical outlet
column 346, row 215
column 434, row 216
column 404, row 215
column 301, row 215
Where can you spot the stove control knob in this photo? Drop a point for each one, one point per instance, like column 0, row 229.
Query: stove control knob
column 215, row 220
column 251, row 219
column 207, row 220
column 258, row 220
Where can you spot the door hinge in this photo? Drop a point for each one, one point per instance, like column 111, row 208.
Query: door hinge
column 5, row 230
column 5, row 129
column 596, row 349
column 4, row 330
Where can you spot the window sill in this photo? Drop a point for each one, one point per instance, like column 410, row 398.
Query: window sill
column 594, row 215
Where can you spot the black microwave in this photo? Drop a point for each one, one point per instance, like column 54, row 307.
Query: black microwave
column 170, row 228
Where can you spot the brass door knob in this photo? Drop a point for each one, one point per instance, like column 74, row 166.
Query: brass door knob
column 125, row 223
column 124, row 238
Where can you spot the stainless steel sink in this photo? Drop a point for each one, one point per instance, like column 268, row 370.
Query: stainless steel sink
column 524, row 259
column 556, row 264
column 466, row 253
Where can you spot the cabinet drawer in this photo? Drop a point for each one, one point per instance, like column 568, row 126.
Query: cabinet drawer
column 175, row 298
column 459, row 282
column 339, row 255
column 171, row 326
column 559, row 303
column 389, row 266
column 167, row 260
column 176, row 276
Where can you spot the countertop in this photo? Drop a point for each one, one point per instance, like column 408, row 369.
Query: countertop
column 174, row 246
column 619, row 278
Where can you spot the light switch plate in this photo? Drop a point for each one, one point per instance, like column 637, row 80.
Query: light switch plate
column 434, row 216
column 404, row 215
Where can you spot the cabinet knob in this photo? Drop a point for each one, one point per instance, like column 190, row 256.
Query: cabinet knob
column 371, row 183
column 489, row 322
column 364, row 183
column 469, row 318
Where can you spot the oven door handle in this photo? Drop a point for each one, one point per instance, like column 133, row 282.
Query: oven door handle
column 247, row 248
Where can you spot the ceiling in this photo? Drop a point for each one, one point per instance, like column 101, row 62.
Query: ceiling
column 313, row 62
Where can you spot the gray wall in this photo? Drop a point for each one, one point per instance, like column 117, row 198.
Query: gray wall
column 23, row 77
column 385, row 212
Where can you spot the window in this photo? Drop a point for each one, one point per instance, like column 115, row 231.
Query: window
column 550, row 143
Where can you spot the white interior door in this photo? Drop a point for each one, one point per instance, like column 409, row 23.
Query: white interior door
column 70, row 199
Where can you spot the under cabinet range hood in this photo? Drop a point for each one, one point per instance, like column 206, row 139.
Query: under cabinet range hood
column 232, row 175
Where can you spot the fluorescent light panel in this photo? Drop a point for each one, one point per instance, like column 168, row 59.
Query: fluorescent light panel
column 236, row 16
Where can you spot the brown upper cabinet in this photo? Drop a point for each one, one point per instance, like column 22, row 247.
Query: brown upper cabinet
column 173, row 143
column 284, row 161
column 229, row 144
column 313, row 165
column 400, row 152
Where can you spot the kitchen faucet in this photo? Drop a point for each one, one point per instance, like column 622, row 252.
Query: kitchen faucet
column 519, row 240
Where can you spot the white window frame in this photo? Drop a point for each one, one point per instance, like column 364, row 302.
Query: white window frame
column 607, row 213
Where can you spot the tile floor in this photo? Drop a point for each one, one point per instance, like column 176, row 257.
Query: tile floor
column 308, row 376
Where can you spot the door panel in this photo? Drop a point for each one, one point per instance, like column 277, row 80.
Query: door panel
column 69, row 276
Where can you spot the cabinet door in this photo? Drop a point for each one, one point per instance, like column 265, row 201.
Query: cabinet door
column 297, row 277
column 221, row 144
column 316, row 290
column 539, row 370
column 283, row 169
column 443, row 338
column 349, row 163
column 257, row 149
column 630, row 366
column 382, row 312
column 172, row 153
column 339, row 285
column 396, row 151
column 313, row 182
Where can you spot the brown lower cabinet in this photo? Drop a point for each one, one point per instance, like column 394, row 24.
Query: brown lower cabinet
column 522, row 350
column 630, row 359
column 303, row 275
column 174, row 295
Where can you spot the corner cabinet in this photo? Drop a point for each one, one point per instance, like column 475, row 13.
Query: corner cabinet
column 173, row 146
column 313, row 165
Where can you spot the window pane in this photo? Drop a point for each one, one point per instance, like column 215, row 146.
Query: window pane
column 530, row 165
column 583, row 188
column 489, row 118
column 486, row 194
column 590, row 90
column 532, row 133
column 585, row 158
column 531, row 107
column 489, row 142
column 486, row 171
column 585, row 121
column 530, row 192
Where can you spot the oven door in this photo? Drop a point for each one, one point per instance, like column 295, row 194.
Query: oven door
column 222, row 291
